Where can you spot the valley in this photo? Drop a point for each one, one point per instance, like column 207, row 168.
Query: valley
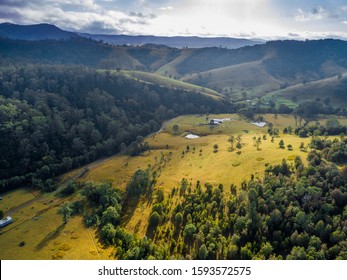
column 153, row 151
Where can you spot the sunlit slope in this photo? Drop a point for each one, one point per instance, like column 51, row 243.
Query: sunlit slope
column 169, row 82
column 332, row 90
column 250, row 77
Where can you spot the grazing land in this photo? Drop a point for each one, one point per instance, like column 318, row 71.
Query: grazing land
column 38, row 225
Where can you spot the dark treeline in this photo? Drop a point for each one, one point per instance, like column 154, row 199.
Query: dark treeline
column 54, row 118
column 295, row 212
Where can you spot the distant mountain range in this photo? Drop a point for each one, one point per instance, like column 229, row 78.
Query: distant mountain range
column 174, row 42
column 48, row 31
column 35, row 32
column 285, row 68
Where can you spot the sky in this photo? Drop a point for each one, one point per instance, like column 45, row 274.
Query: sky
column 265, row 19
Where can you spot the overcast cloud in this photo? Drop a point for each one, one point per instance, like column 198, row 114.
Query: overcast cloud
column 269, row 19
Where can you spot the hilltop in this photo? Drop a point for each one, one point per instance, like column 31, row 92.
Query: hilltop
column 34, row 32
column 45, row 31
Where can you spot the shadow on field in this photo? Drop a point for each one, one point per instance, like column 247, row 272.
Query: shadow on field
column 53, row 235
column 129, row 207
column 131, row 203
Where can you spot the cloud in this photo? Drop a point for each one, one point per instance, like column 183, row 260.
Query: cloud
column 168, row 8
column 141, row 15
column 235, row 18
column 317, row 13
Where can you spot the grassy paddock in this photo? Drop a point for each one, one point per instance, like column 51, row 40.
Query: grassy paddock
column 41, row 228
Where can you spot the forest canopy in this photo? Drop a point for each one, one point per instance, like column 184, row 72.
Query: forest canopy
column 54, row 118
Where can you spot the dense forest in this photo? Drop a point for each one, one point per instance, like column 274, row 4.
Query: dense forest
column 54, row 118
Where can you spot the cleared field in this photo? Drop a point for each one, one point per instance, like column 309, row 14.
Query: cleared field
column 170, row 69
column 38, row 231
column 249, row 78
column 168, row 82
column 201, row 162
column 310, row 91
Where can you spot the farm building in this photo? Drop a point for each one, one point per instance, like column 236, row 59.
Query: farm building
column 218, row 121
column 259, row 124
column 6, row 221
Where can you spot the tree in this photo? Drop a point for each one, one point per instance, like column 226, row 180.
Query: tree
column 231, row 140
column 154, row 220
column 203, row 252
column 108, row 233
column 189, row 230
column 302, row 146
column 266, row 249
column 175, row 129
column 215, row 147
column 65, row 210
column 257, row 143
column 139, row 182
column 281, row 144
column 1, row 214
column 110, row 215
column 160, row 195
column 297, row 253
column 178, row 219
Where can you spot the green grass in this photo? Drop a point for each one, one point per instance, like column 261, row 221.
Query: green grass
column 309, row 91
column 224, row 167
column 46, row 238
column 169, row 82
column 37, row 224
column 250, row 78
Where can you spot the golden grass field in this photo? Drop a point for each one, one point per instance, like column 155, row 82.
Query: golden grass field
column 41, row 228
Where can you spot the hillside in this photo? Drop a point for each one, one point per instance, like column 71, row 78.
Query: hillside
column 329, row 90
column 240, row 74
column 45, row 31
column 171, row 83
column 34, row 32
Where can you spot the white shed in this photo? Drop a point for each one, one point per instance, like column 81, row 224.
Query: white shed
column 6, row 221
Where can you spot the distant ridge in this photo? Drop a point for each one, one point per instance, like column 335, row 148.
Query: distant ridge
column 34, row 32
column 175, row 41
column 45, row 31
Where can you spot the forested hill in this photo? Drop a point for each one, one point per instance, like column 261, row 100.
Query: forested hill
column 284, row 60
column 34, row 32
column 54, row 118
column 45, row 31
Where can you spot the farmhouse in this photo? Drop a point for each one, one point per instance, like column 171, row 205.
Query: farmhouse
column 6, row 221
column 218, row 121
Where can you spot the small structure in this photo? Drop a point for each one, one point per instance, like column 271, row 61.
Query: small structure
column 6, row 221
column 0, row 197
column 218, row 121
column 259, row 124
column 192, row 136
